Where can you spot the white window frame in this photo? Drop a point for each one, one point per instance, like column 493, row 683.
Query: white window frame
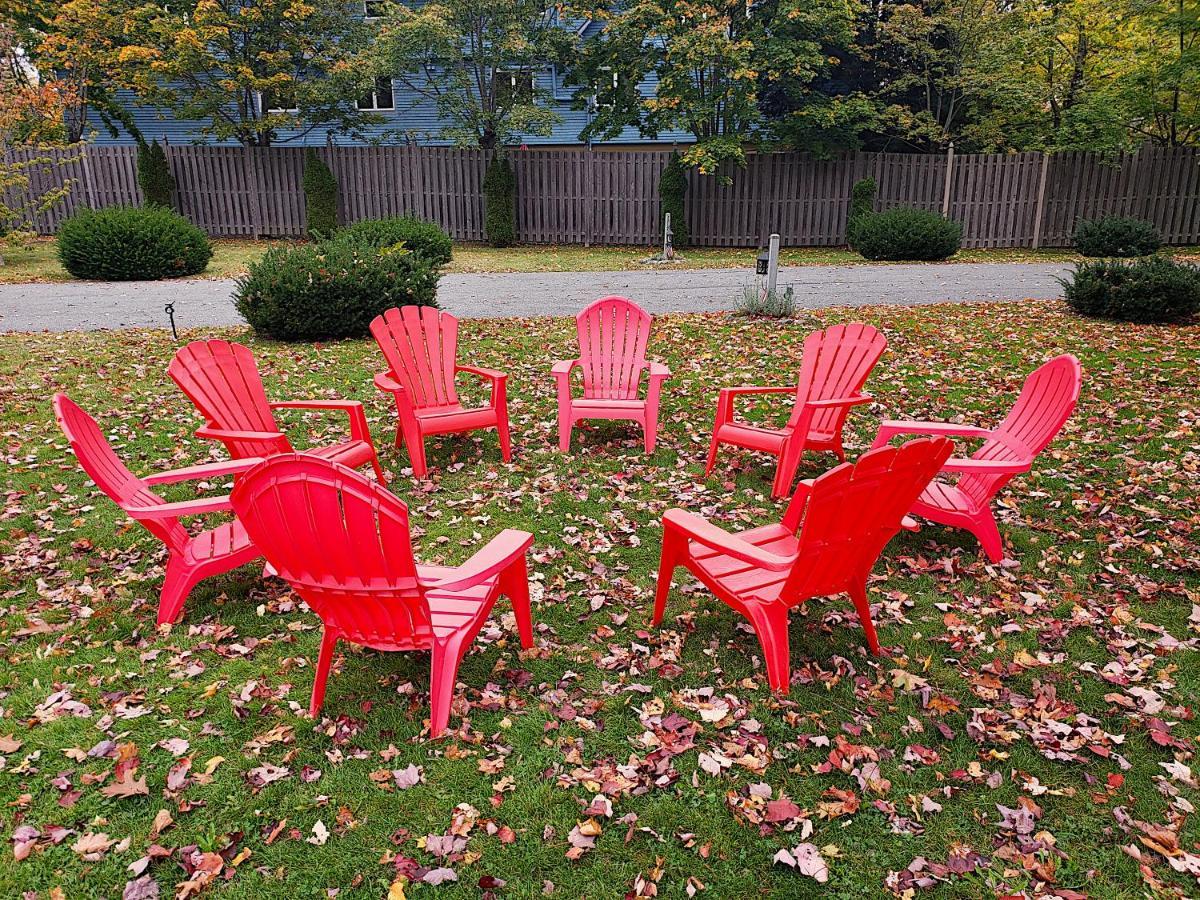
column 366, row 8
column 531, row 74
column 374, row 95
column 262, row 105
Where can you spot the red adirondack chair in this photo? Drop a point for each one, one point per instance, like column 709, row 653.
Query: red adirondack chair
column 222, row 380
column 189, row 558
column 833, row 369
column 844, row 519
column 613, row 334
column 343, row 543
column 1046, row 401
column 420, row 345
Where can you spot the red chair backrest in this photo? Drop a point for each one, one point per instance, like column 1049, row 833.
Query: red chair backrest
column 854, row 510
column 103, row 466
column 342, row 541
column 613, row 334
column 836, row 363
column 420, row 344
column 1046, row 401
column 221, row 378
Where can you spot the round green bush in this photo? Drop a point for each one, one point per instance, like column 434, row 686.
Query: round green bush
column 331, row 289
column 125, row 243
column 1116, row 236
column 1153, row 289
column 423, row 238
column 904, row 234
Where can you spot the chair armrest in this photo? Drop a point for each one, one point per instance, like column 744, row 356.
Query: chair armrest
column 833, row 403
column 986, row 466
column 892, row 427
column 658, row 370
column 796, row 506
column 181, row 508
column 205, row 470
column 387, row 383
column 316, row 404
column 563, row 367
column 224, row 434
column 352, row 408
column 489, row 374
column 501, row 552
column 750, row 389
column 704, row 532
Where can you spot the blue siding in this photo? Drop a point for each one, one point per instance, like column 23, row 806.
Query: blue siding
column 414, row 120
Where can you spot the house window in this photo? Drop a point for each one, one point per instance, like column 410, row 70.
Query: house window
column 380, row 98
column 280, row 100
column 374, row 9
column 606, row 88
column 513, row 86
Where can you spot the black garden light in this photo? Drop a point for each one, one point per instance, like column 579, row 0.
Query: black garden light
column 762, row 265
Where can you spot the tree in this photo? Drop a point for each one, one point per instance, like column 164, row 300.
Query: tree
column 672, row 187
column 154, row 174
column 320, row 196
column 499, row 202
column 255, row 71
column 477, row 62
column 1160, row 86
column 31, row 112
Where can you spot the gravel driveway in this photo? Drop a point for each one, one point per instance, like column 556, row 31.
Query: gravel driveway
column 81, row 305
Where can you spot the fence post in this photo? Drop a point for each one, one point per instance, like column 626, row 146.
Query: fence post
column 589, row 175
column 89, row 184
column 949, row 178
column 255, row 193
column 1041, row 202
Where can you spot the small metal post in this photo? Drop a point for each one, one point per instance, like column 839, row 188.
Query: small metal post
column 169, row 309
column 772, row 263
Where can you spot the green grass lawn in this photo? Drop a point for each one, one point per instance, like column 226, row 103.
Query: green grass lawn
column 37, row 260
column 1032, row 727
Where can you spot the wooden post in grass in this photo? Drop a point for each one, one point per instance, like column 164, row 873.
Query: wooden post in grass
column 1041, row 202
column 949, row 177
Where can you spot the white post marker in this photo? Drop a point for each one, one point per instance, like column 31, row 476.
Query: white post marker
column 772, row 264
column 668, row 249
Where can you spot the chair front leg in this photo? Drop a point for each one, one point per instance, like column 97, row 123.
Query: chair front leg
column 650, row 420
column 674, row 547
column 858, row 593
column 789, row 461
column 177, row 584
column 770, row 622
column 329, row 639
column 500, row 405
column 565, row 417
column 514, row 584
column 444, row 676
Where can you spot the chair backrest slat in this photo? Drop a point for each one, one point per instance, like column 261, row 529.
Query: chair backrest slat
column 420, row 344
column 221, row 378
column 1046, row 401
column 836, row 363
column 105, row 468
column 854, row 510
column 613, row 335
column 341, row 540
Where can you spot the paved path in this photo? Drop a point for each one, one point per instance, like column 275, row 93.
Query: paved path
column 87, row 305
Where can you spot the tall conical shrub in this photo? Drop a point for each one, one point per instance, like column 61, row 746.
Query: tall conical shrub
column 154, row 174
column 672, row 185
column 499, row 203
column 320, row 196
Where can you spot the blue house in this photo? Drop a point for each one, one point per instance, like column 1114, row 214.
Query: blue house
column 407, row 117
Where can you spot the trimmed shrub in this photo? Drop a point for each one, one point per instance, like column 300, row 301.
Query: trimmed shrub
column 320, row 196
column 906, row 234
column 1153, row 289
column 499, row 203
column 331, row 289
column 126, row 243
column 862, row 201
column 1116, row 236
column 423, row 238
column 672, row 186
column 154, row 174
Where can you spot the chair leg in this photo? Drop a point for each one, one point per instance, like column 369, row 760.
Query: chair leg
column 502, row 433
column 785, row 470
column 651, row 431
column 444, row 676
column 329, row 639
column 673, row 546
column 771, row 625
column 712, row 455
column 514, row 584
column 564, row 430
column 985, row 529
column 178, row 583
column 416, row 456
column 378, row 469
column 858, row 593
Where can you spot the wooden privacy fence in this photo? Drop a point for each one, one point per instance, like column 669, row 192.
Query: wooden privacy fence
column 588, row 196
